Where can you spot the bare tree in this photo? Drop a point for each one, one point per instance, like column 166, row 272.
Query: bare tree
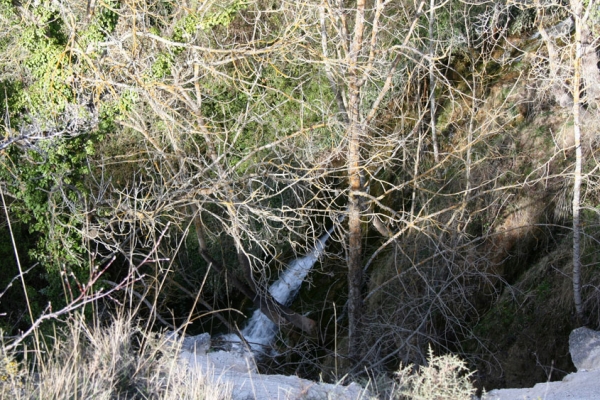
column 363, row 65
column 263, row 125
column 207, row 106
column 198, row 89
column 583, row 53
column 573, row 76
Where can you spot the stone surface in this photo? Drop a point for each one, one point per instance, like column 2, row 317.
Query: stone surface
column 584, row 346
column 238, row 371
column 219, row 361
column 577, row 386
column 200, row 344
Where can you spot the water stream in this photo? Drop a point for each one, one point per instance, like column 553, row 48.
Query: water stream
column 260, row 331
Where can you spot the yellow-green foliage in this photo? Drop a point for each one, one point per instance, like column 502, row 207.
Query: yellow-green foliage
column 10, row 371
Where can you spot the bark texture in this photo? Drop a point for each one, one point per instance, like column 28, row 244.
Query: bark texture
column 355, row 133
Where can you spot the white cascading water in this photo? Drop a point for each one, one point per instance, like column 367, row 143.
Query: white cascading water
column 260, row 330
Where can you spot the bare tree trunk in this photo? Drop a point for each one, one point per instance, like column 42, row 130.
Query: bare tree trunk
column 576, row 8
column 415, row 186
column 471, row 128
column 354, row 244
column 355, row 132
column 432, row 82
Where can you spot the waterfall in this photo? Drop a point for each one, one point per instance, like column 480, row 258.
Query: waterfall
column 260, row 331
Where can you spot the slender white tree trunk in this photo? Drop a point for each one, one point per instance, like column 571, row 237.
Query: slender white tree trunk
column 432, row 82
column 577, row 8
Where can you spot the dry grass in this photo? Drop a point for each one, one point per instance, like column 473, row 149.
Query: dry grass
column 120, row 361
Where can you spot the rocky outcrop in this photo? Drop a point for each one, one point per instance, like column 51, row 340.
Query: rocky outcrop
column 237, row 371
column 584, row 346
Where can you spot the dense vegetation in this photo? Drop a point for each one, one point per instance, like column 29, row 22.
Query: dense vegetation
column 169, row 158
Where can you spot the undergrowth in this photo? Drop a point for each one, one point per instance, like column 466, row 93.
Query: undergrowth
column 126, row 361
column 119, row 361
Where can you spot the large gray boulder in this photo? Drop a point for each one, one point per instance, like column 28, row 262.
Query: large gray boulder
column 584, row 346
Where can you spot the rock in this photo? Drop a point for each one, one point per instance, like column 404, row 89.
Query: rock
column 219, row 361
column 584, row 346
column 198, row 344
column 576, row 386
column 237, row 371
